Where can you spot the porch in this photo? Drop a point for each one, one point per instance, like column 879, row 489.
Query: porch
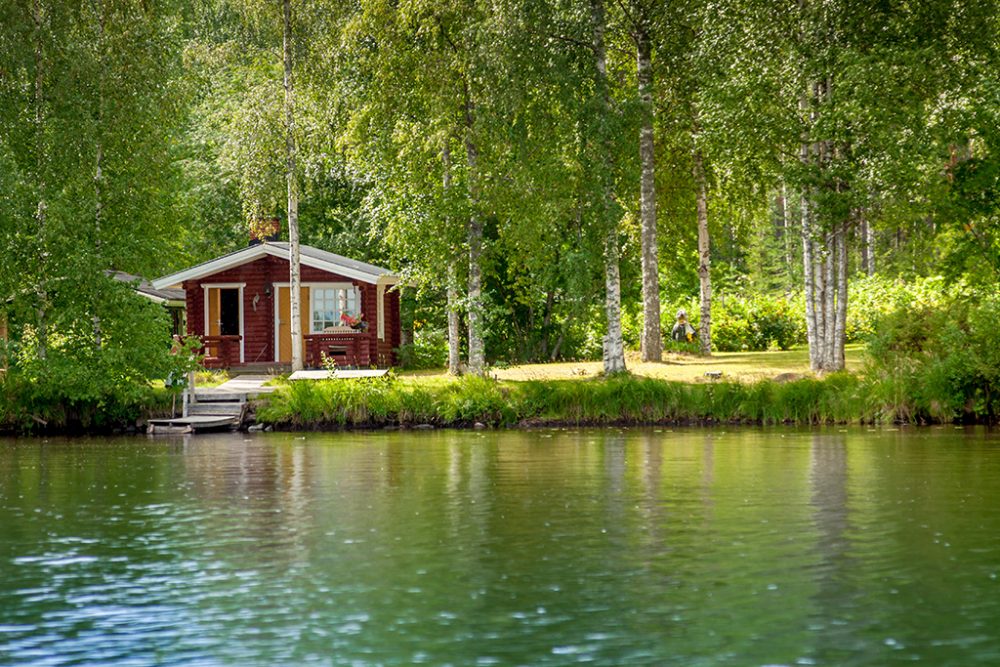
column 355, row 349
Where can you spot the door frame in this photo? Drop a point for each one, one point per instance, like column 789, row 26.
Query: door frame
column 207, row 286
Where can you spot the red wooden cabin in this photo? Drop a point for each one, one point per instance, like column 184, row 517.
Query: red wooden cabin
column 239, row 305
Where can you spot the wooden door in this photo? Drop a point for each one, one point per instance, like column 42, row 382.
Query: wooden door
column 284, row 307
column 214, row 311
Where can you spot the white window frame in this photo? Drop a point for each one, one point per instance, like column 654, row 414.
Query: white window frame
column 314, row 291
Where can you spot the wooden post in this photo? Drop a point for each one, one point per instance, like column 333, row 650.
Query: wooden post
column 188, row 394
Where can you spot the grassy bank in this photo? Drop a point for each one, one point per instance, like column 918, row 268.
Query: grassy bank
column 39, row 409
column 839, row 398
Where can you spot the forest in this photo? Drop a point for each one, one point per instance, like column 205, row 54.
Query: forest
column 554, row 179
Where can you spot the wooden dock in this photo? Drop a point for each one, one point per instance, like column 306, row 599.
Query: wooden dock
column 192, row 424
column 214, row 409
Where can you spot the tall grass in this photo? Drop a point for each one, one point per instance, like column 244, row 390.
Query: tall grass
column 838, row 398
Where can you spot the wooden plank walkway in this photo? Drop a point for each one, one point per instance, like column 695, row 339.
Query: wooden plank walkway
column 250, row 385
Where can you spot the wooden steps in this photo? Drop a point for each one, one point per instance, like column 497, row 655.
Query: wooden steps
column 210, row 411
column 217, row 408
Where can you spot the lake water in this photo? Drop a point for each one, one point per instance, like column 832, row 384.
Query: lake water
column 551, row 547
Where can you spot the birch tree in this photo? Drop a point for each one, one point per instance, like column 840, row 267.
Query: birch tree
column 641, row 23
column 605, row 209
column 291, row 178
column 428, row 53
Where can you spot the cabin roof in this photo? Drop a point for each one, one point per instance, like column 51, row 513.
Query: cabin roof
column 309, row 256
column 142, row 286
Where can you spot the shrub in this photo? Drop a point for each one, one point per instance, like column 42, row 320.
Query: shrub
column 476, row 399
column 755, row 324
column 937, row 358
column 428, row 350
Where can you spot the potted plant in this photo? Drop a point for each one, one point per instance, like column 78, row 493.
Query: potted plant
column 357, row 323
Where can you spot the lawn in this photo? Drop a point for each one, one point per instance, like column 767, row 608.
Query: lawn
column 739, row 366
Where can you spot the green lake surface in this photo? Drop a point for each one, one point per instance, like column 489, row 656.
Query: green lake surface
column 544, row 547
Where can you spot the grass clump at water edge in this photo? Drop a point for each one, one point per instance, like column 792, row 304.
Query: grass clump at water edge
column 839, row 398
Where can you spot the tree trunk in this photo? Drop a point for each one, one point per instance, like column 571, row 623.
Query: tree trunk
column 405, row 317
column 477, row 356
column 809, row 282
column 704, row 255
column 98, row 179
column 867, row 245
column 454, row 329
column 294, row 259
column 808, row 277
column 41, row 293
column 840, row 326
column 829, row 304
column 786, row 220
column 614, row 348
column 651, row 344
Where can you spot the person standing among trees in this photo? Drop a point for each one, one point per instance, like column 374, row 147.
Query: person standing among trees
column 682, row 332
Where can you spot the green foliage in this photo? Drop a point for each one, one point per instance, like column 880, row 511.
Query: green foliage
column 474, row 398
column 91, row 379
column 938, row 361
column 386, row 400
column 428, row 350
column 755, row 324
column 871, row 298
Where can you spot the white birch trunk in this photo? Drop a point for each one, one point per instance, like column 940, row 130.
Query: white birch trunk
column 704, row 255
column 294, row 259
column 808, row 277
column 651, row 343
column 840, row 325
column 454, row 329
column 829, row 291
column 867, row 245
column 454, row 333
column 477, row 356
column 614, row 348
column 818, row 302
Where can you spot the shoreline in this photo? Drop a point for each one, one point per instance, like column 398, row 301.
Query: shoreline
column 477, row 402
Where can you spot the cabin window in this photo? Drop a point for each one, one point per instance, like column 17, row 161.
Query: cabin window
column 329, row 303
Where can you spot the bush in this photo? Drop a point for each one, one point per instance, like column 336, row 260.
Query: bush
column 67, row 395
column 755, row 324
column 936, row 357
column 428, row 350
column 872, row 298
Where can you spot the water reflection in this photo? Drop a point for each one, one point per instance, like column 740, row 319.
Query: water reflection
column 549, row 547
